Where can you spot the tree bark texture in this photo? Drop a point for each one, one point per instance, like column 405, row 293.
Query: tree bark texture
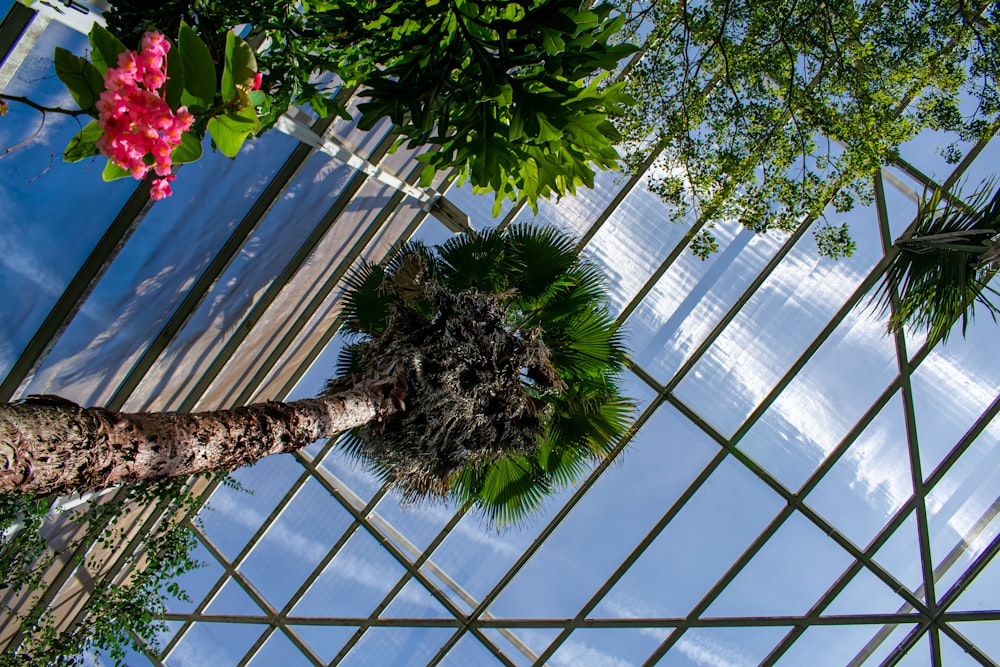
column 56, row 447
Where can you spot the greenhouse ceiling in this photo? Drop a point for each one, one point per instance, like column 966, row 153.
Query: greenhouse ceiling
column 799, row 486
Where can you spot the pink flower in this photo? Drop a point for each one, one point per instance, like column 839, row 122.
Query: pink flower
column 161, row 188
column 136, row 123
column 257, row 78
column 156, row 43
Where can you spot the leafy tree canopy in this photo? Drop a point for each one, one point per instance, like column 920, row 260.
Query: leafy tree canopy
column 766, row 111
column 507, row 91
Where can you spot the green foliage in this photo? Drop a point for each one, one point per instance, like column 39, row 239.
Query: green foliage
column 770, row 107
column 942, row 269
column 834, row 242
column 424, row 320
column 84, row 81
column 505, row 91
column 199, row 70
column 120, row 614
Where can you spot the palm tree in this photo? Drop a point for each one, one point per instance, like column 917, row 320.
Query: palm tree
column 943, row 269
column 484, row 371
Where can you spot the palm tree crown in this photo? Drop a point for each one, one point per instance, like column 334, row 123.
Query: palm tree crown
column 502, row 350
column 942, row 271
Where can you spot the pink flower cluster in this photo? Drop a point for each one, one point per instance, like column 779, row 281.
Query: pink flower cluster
column 135, row 119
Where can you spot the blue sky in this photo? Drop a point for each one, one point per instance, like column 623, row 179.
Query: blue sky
column 799, row 433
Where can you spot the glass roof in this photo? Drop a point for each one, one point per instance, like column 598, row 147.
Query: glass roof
column 799, row 487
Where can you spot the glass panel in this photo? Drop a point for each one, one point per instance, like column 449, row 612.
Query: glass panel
column 625, row 502
column 693, row 296
column 635, row 388
column 214, row 644
column 900, row 556
column 611, row 647
column 871, row 481
column 354, row 582
column 985, row 635
column 279, row 650
column 396, row 646
column 197, row 582
column 164, row 636
column 233, row 600
column 418, row 523
column 232, row 516
column 634, row 241
column 833, row 646
column 919, row 654
column 953, row 654
column 43, row 241
column 925, row 153
column 415, row 601
column 296, row 214
column 722, row 646
column 513, row 644
column 865, row 594
column 777, row 324
column 982, row 592
column 352, row 475
column 171, row 247
column 949, row 372
column 468, row 651
column 696, row 548
column 475, row 555
column 963, row 507
column 334, row 254
column 984, row 168
column 900, row 206
column 295, row 543
column 787, row 576
column 325, row 640
column 824, row 401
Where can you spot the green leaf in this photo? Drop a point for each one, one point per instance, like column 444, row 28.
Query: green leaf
column 105, row 48
column 189, row 150
column 199, row 69
column 82, row 144
column 84, row 81
column 241, row 66
column 229, row 132
column 113, row 172
column 174, row 88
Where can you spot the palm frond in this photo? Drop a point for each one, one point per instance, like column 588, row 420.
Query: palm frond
column 506, row 492
column 364, row 304
column 474, row 261
column 939, row 275
column 510, row 364
column 536, row 258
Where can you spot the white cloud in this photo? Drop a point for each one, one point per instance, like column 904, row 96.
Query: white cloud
column 694, row 644
column 574, row 653
column 705, row 651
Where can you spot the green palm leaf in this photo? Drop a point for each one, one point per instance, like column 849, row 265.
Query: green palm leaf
column 503, row 351
column 942, row 270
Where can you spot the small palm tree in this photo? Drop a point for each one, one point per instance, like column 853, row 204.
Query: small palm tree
column 484, row 371
column 942, row 271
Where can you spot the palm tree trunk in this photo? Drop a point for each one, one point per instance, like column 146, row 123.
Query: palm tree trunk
column 57, row 447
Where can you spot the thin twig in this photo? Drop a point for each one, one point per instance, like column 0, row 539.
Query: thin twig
column 43, row 109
